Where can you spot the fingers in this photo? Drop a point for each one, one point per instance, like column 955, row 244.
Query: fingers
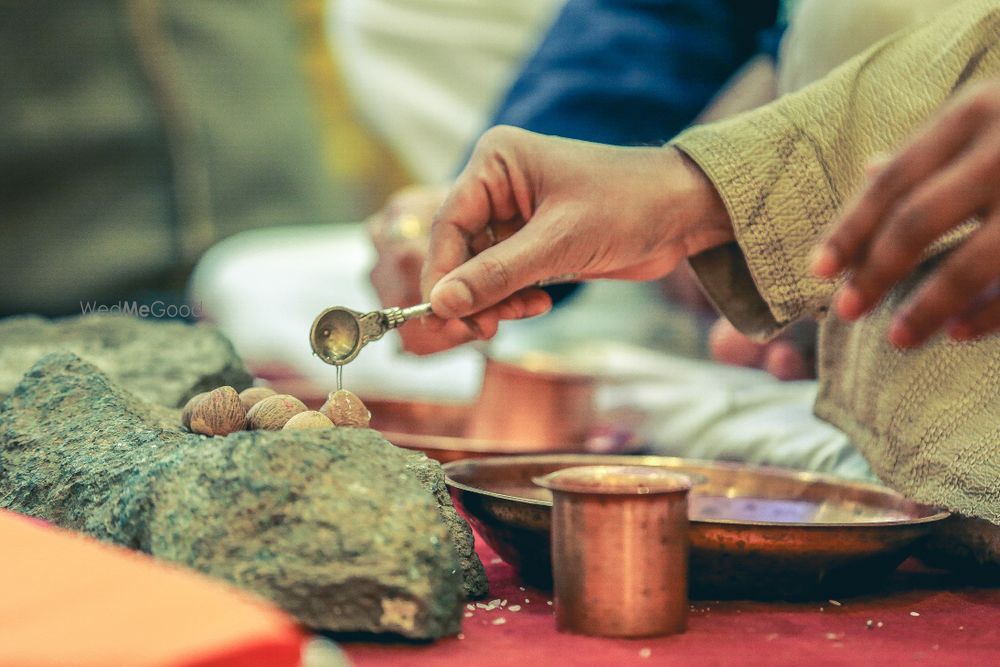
column 523, row 305
column 490, row 189
column 899, row 243
column 935, row 146
column 728, row 346
column 495, row 274
column 982, row 319
column 785, row 361
column 421, row 340
column 952, row 288
column 484, row 324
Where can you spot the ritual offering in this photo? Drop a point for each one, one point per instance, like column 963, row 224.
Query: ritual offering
column 220, row 412
column 188, row 410
column 273, row 412
column 343, row 408
column 307, row 419
column 254, row 395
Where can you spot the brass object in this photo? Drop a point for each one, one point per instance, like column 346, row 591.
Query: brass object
column 756, row 532
column 619, row 550
column 440, row 429
column 542, row 405
column 338, row 334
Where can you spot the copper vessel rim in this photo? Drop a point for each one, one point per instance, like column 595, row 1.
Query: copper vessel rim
column 662, row 482
column 499, row 461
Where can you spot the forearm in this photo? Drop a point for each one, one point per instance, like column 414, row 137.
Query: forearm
column 784, row 170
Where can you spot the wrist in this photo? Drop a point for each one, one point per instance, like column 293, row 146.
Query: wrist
column 696, row 206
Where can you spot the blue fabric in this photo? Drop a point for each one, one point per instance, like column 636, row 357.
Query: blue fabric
column 632, row 72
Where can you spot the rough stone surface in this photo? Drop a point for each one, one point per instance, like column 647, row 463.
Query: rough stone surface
column 160, row 361
column 337, row 526
column 474, row 582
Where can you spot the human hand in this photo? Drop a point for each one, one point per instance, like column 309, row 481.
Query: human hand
column 790, row 356
column 945, row 175
column 400, row 232
column 562, row 207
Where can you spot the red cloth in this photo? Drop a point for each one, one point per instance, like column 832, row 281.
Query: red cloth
column 956, row 626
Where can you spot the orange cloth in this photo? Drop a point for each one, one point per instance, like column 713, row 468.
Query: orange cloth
column 66, row 599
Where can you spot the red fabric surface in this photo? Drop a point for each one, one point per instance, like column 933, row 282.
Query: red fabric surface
column 957, row 625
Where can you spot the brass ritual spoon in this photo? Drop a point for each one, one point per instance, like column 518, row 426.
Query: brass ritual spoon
column 338, row 334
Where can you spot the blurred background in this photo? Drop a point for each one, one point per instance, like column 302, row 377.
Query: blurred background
column 259, row 162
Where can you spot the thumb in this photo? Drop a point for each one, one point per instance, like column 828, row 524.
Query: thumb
column 494, row 274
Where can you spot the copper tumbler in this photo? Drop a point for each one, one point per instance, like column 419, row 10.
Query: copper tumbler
column 619, row 550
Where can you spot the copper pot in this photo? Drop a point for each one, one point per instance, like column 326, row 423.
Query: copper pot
column 536, row 403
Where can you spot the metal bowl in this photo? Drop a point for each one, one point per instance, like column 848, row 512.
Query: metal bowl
column 761, row 533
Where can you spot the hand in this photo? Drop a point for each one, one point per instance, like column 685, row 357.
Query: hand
column 790, row 356
column 400, row 233
column 946, row 174
column 557, row 207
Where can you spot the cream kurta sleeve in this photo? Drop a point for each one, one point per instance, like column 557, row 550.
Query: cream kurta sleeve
column 784, row 169
column 927, row 420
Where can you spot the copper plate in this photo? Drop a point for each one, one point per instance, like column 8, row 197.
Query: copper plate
column 438, row 429
column 756, row 532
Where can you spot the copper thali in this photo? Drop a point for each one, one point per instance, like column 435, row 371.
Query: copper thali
column 755, row 532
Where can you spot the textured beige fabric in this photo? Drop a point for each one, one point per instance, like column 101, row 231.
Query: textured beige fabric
column 927, row 420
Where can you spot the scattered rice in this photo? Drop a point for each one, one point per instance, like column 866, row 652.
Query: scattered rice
column 645, row 652
column 499, row 621
column 914, row 613
column 514, row 607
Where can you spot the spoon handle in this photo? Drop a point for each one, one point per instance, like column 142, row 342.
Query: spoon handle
column 395, row 316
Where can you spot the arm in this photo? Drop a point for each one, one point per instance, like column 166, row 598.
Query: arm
column 632, row 72
column 769, row 184
column 783, row 171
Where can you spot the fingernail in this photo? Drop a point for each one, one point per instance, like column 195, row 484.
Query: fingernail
column 824, row 262
column 849, row 304
column 900, row 334
column 454, row 296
